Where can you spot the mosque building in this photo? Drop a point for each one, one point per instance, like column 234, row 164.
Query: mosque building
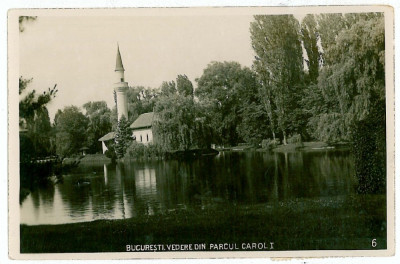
column 142, row 126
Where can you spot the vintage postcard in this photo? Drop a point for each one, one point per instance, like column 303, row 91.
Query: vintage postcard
column 201, row 132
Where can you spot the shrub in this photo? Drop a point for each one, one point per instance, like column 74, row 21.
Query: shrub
column 111, row 154
column 253, row 141
column 140, row 151
column 269, row 143
column 294, row 139
column 369, row 149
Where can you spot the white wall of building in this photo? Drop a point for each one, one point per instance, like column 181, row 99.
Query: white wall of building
column 122, row 100
column 104, row 147
column 144, row 136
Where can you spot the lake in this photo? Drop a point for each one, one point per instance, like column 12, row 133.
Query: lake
column 136, row 188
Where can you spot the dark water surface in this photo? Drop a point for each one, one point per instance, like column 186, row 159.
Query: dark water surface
column 130, row 189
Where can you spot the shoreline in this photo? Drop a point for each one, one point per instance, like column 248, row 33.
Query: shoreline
column 292, row 147
column 305, row 146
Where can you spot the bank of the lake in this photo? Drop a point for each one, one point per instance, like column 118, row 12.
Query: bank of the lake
column 342, row 222
column 304, row 146
column 315, row 146
column 88, row 158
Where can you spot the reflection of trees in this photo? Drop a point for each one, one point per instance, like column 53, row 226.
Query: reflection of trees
column 47, row 195
column 35, row 198
column 76, row 200
column 312, row 174
column 105, row 193
column 96, row 198
column 42, row 198
column 173, row 179
column 231, row 177
column 141, row 188
column 333, row 171
column 271, row 177
column 120, row 177
column 145, row 199
column 129, row 189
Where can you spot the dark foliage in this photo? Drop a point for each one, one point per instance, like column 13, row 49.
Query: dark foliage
column 71, row 126
column 99, row 124
column 140, row 151
column 123, row 137
column 369, row 150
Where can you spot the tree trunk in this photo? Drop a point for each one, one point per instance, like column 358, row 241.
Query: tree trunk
column 273, row 135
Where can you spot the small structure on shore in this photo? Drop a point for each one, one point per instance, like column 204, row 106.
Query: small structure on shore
column 84, row 150
column 106, row 141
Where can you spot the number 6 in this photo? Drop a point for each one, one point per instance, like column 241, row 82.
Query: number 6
column 373, row 244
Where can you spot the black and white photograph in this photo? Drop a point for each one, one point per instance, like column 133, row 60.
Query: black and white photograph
column 195, row 131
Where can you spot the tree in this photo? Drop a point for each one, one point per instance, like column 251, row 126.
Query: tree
column 184, row 85
column 203, row 135
column 30, row 103
column 348, row 102
column 140, row 100
column 279, row 65
column 179, row 123
column 310, row 38
column 71, row 126
column 352, row 77
column 34, row 118
column 355, row 73
column 223, row 87
column 168, row 88
column 99, row 117
column 123, row 137
column 174, row 126
column 254, row 125
column 329, row 26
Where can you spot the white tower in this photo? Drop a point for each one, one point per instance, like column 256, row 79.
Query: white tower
column 120, row 88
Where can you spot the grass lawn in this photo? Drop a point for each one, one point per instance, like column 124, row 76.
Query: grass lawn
column 306, row 224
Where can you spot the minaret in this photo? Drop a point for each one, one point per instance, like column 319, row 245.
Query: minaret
column 120, row 88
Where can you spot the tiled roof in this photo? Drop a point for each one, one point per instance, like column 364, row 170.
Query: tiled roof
column 107, row 137
column 144, row 120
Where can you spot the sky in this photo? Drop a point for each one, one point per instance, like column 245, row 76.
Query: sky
column 78, row 53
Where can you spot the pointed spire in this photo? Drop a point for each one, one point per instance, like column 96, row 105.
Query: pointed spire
column 119, row 66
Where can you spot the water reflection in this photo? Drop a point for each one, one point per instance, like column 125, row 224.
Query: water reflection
column 124, row 190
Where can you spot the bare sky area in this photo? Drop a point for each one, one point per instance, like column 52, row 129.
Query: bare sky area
column 78, row 53
column 76, row 49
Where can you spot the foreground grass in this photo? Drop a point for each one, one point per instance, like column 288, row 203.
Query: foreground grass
column 334, row 223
